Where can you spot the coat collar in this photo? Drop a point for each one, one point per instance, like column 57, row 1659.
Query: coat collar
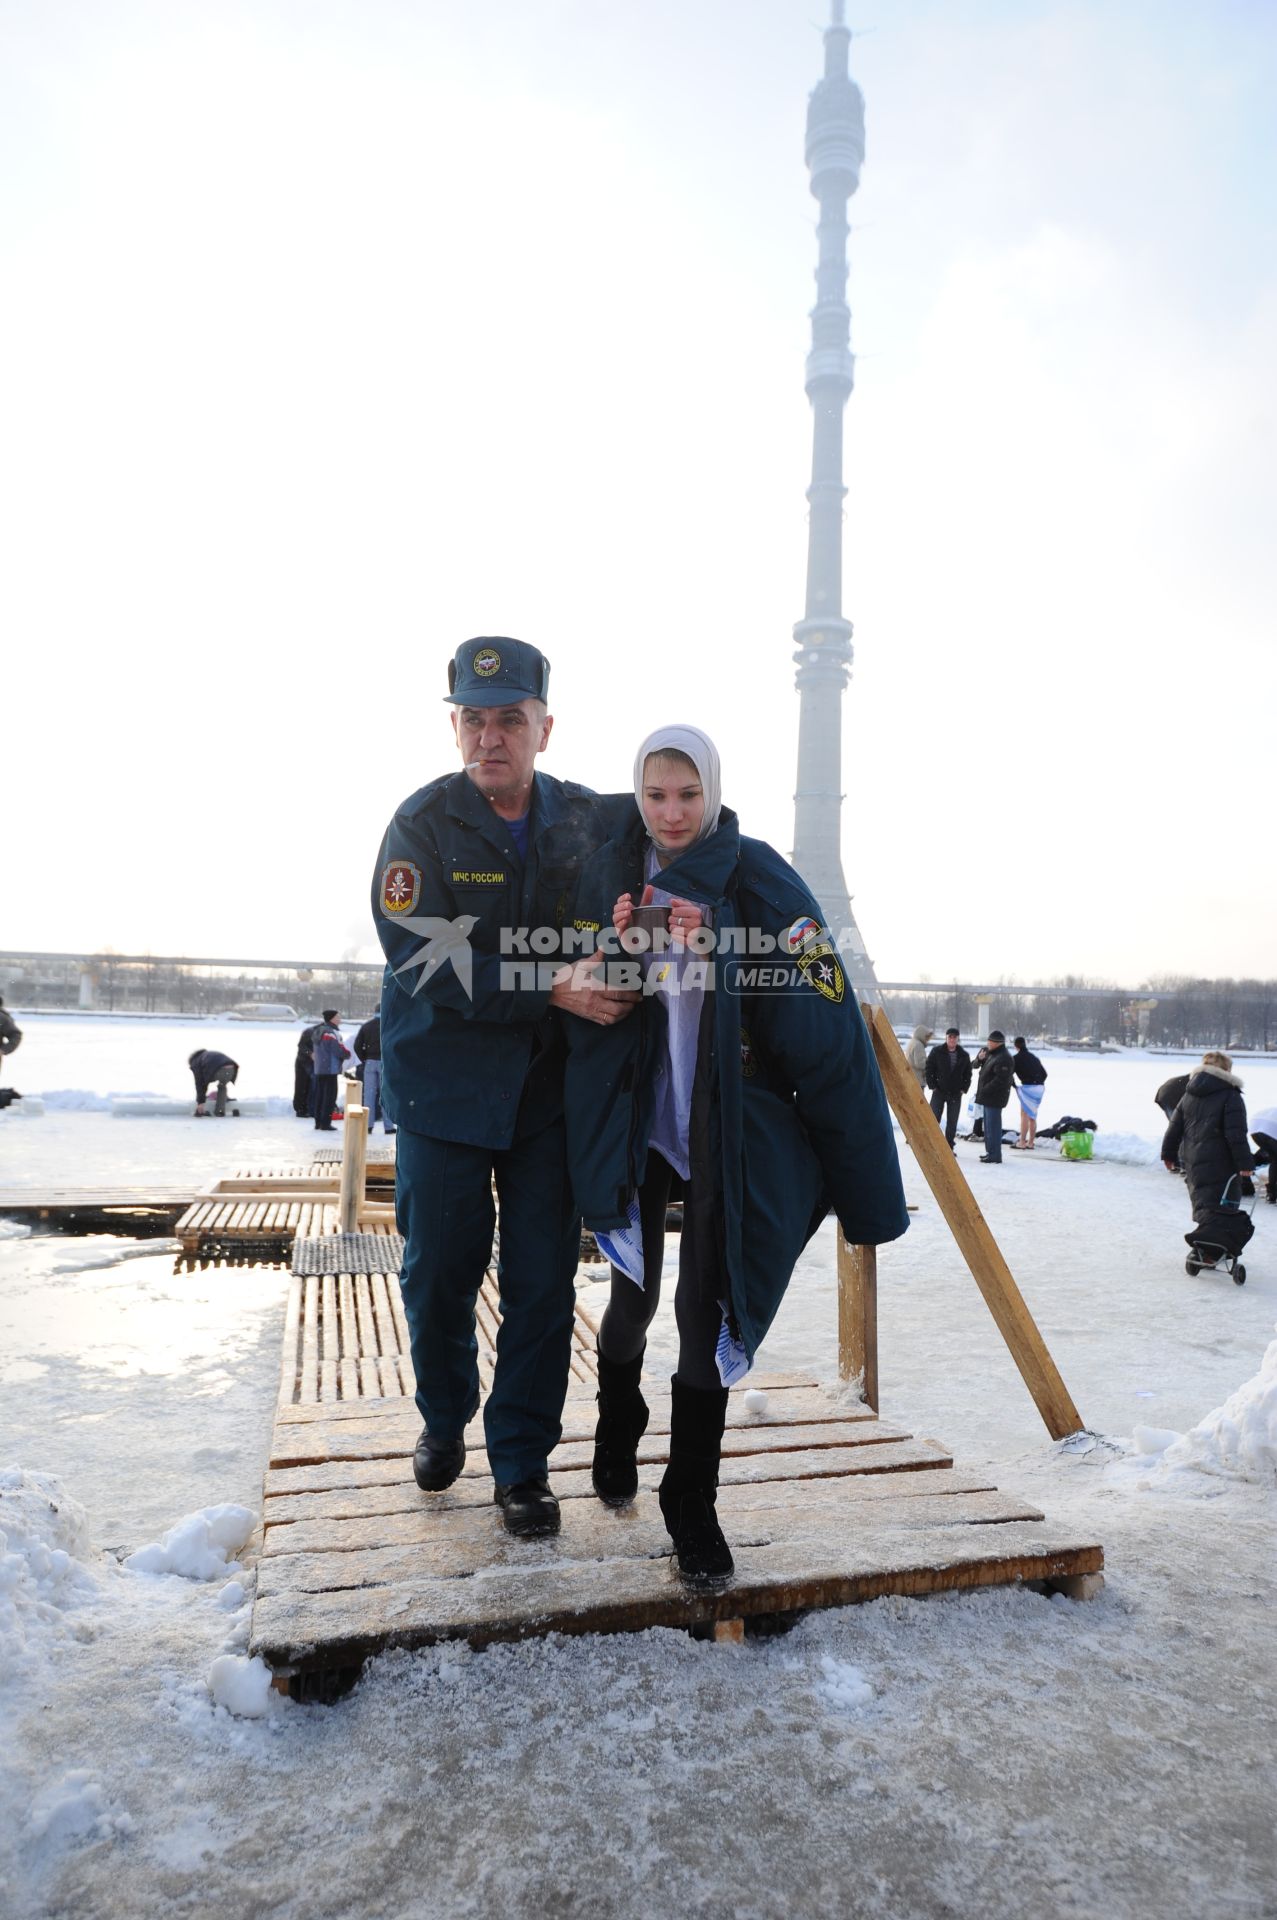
column 705, row 870
column 466, row 803
column 1221, row 1073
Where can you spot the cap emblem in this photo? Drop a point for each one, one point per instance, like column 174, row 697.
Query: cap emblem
column 486, row 662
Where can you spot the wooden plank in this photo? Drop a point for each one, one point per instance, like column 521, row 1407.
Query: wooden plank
column 395, row 1470
column 369, row 1378
column 400, row 1493
column 971, row 1231
column 858, row 1317
column 331, row 1339
column 364, row 1316
column 613, row 1532
column 786, row 1407
column 310, row 1340
column 298, row 1443
column 346, row 1314
column 391, row 1387
column 290, row 1362
column 387, row 1337
column 395, row 1295
column 339, row 1628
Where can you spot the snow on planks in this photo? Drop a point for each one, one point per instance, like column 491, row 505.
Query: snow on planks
column 824, row 1504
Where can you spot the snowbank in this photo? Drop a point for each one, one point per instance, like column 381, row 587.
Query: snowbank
column 199, row 1547
column 144, row 1105
column 44, row 1547
column 1238, row 1441
column 1129, row 1149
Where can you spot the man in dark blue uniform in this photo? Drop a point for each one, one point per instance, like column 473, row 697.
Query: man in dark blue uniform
column 472, row 1054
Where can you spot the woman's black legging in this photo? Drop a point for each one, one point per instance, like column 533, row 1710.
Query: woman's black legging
column 631, row 1309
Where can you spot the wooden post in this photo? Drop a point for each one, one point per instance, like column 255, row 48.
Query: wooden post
column 858, row 1317
column 971, row 1231
column 354, row 1156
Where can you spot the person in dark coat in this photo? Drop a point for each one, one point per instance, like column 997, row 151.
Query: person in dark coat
column 368, row 1054
column 330, row 1051
column 1170, row 1093
column 10, row 1034
column 1263, row 1131
column 1031, row 1075
column 1207, row 1136
column 208, row 1066
column 304, row 1074
column 761, row 1095
column 948, row 1076
column 993, row 1091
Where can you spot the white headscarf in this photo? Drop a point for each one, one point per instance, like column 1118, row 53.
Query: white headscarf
column 702, row 753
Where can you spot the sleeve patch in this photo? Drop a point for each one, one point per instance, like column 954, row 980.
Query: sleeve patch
column 400, row 887
column 819, row 967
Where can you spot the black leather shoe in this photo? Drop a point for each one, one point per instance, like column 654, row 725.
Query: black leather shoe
column 529, row 1507
column 436, row 1463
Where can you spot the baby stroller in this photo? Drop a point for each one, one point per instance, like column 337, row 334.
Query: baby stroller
column 1217, row 1241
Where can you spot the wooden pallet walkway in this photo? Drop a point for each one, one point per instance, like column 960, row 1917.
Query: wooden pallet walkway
column 824, row 1504
column 137, row 1211
column 253, row 1225
column 346, row 1346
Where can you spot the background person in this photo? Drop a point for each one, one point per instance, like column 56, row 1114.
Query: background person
column 304, row 1074
column 10, row 1033
column 207, row 1066
column 993, row 1091
column 368, row 1053
column 948, row 1074
column 330, row 1052
column 1263, row 1131
column 916, row 1053
column 765, row 1102
column 1207, row 1134
column 1031, row 1075
column 1170, row 1093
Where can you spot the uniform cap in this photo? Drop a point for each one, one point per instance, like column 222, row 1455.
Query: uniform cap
column 497, row 672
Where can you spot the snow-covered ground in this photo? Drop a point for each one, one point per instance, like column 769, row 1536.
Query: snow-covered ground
column 974, row 1755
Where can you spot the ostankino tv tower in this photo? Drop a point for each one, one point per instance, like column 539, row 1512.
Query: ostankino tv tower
column 835, row 152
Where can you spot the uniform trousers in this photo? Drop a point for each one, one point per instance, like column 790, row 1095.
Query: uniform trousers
column 444, row 1206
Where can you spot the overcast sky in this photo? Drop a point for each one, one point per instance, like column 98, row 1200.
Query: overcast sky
column 333, row 333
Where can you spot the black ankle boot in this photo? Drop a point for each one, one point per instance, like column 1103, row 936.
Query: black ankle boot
column 622, row 1424
column 690, row 1484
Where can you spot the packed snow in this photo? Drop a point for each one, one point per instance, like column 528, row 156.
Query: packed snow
column 985, row 1753
column 200, row 1547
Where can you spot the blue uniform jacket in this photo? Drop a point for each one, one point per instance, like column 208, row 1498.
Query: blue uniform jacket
column 463, row 1054
column 799, row 1120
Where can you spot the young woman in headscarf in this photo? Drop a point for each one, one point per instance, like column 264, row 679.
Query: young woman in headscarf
column 748, row 1073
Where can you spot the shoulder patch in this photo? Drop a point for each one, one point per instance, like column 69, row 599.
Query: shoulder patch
column 802, row 933
column 400, row 887
column 819, row 967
